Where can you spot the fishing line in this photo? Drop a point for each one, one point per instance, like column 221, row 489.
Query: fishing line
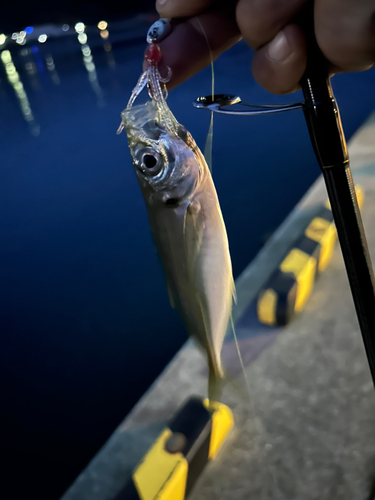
column 260, row 437
column 241, row 361
column 207, row 152
column 208, row 155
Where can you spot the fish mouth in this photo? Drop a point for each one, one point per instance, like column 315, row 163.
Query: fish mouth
column 142, row 120
column 137, row 116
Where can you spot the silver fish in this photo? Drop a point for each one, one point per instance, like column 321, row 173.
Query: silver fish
column 186, row 223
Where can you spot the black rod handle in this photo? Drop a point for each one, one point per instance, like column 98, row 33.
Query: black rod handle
column 328, row 140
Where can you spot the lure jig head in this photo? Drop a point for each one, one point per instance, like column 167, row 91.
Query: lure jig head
column 152, row 78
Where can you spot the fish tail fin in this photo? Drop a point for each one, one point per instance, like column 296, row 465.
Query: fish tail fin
column 218, row 379
column 215, row 381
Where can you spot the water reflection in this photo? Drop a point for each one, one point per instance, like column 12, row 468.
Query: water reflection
column 104, row 33
column 88, row 62
column 21, row 38
column 15, row 81
column 38, row 51
column 31, row 68
column 52, row 69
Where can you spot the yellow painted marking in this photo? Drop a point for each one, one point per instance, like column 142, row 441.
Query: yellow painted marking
column 327, row 245
column 324, row 232
column 303, row 267
column 360, row 195
column 266, row 307
column 161, row 475
column 317, row 228
column 222, row 424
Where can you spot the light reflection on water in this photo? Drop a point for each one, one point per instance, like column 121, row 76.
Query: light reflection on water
column 88, row 63
column 15, row 81
column 38, row 56
column 52, row 69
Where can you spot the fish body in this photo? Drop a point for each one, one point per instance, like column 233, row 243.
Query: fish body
column 186, row 223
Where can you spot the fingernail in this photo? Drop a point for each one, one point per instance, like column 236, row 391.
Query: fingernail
column 279, row 48
column 159, row 30
column 161, row 2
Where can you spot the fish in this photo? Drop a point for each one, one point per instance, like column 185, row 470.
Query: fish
column 186, row 223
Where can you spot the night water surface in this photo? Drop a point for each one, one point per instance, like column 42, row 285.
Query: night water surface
column 85, row 321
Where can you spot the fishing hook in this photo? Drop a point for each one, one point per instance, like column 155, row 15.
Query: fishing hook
column 219, row 102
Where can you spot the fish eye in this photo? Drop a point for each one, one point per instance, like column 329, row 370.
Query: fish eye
column 150, row 163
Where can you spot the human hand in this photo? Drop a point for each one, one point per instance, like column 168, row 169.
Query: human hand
column 344, row 29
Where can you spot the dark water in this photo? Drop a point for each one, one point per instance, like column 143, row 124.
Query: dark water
column 85, row 321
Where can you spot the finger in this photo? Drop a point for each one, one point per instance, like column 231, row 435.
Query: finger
column 186, row 50
column 279, row 65
column 345, row 32
column 260, row 20
column 181, row 8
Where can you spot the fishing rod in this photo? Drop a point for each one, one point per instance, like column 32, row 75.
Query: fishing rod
column 328, row 140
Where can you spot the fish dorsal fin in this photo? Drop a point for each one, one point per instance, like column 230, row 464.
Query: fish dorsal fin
column 171, row 296
column 234, row 293
column 208, row 146
column 193, row 234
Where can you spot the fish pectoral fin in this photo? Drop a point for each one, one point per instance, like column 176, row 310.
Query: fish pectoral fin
column 193, row 237
column 234, row 293
column 171, row 297
column 193, row 234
